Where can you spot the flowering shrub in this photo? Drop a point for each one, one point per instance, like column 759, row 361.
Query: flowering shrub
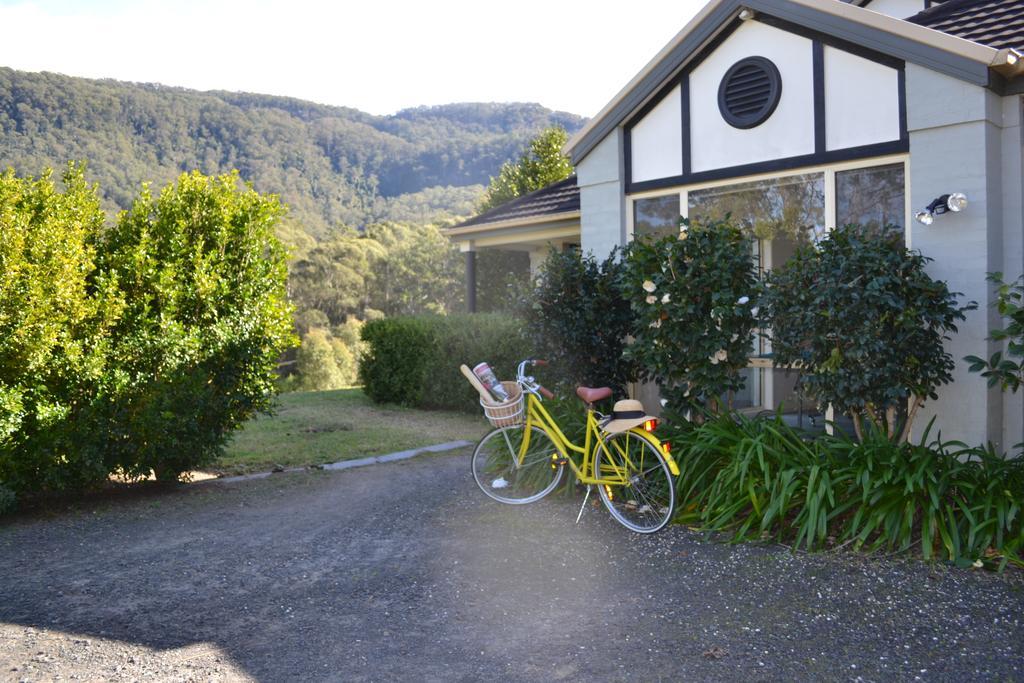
column 693, row 299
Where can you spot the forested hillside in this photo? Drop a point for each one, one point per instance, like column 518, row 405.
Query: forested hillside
column 333, row 166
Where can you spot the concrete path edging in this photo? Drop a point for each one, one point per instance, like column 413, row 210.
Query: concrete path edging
column 348, row 464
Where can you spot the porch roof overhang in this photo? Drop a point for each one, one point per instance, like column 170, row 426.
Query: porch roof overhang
column 967, row 60
column 550, row 214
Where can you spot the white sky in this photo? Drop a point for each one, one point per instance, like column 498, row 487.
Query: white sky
column 376, row 55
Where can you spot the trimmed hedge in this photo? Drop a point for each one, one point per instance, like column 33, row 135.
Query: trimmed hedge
column 414, row 360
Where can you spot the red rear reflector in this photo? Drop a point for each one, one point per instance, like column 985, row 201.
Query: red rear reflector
column 650, row 425
column 667, row 446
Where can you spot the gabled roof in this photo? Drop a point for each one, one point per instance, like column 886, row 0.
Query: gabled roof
column 996, row 23
column 947, row 53
column 554, row 201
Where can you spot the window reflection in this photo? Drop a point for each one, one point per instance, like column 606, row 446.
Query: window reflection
column 792, row 207
column 871, row 197
column 656, row 216
column 778, row 214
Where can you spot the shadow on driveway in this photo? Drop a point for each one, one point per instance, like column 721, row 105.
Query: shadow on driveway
column 407, row 572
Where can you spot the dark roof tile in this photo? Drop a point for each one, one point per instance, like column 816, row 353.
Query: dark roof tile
column 556, row 198
column 995, row 23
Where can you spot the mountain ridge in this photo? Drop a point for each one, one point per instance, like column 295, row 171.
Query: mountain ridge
column 333, row 165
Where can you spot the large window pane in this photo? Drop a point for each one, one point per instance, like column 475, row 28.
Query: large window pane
column 656, row 216
column 872, row 197
column 791, row 207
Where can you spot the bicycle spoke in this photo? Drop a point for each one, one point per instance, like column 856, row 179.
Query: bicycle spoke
column 643, row 501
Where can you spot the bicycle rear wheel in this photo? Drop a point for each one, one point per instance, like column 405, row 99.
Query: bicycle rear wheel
column 502, row 475
column 640, row 491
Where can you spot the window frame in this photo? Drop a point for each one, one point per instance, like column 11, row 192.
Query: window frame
column 765, row 384
column 828, row 170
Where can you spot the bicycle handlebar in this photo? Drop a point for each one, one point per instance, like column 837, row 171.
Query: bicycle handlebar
column 544, row 392
column 540, row 363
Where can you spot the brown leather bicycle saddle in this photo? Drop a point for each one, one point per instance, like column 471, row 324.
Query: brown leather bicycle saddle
column 593, row 395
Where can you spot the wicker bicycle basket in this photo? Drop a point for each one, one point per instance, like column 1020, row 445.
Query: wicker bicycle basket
column 509, row 412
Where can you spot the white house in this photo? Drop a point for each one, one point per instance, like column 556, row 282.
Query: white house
column 799, row 115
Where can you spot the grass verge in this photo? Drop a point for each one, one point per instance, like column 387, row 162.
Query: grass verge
column 318, row 427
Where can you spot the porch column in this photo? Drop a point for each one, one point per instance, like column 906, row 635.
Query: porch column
column 471, row 281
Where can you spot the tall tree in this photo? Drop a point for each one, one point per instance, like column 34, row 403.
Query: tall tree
column 540, row 165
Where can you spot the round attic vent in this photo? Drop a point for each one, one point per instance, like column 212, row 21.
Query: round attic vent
column 749, row 92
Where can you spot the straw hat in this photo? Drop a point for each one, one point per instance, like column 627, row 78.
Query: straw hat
column 625, row 415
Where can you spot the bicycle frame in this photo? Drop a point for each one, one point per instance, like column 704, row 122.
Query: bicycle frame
column 538, row 416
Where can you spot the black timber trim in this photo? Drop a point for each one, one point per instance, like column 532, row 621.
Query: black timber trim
column 874, row 39
column 789, row 163
column 835, row 27
column 831, row 41
column 684, row 103
column 901, row 93
column 821, row 154
column 658, row 75
column 627, row 154
column 679, row 77
column 818, row 80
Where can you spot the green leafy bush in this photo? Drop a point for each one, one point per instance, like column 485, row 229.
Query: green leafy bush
column 862, row 315
column 1006, row 370
column 578, row 319
column 56, row 318
column 394, row 369
column 414, row 360
column 316, row 363
column 206, row 317
column 138, row 348
column 693, row 295
column 761, row 479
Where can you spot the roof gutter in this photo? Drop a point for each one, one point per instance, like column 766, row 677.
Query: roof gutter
column 512, row 223
column 1008, row 63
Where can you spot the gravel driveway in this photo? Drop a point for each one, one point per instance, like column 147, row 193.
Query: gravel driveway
column 406, row 572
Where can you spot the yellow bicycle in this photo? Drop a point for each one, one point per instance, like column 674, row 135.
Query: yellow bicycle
column 521, row 463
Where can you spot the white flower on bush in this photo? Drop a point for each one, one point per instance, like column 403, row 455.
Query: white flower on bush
column 656, row 324
column 651, row 299
column 754, row 311
column 666, row 298
column 649, row 286
column 742, row 300
column 682, row 233
column 664, row 402
column 720, row 355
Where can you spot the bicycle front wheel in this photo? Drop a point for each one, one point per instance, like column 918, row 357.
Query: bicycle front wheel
column 637, row 486
column 515, row 465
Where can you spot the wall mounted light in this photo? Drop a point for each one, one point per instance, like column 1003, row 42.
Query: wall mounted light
column 954, row 201
column 747, row 14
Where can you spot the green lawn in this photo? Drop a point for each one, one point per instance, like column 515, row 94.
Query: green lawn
column 319, row 427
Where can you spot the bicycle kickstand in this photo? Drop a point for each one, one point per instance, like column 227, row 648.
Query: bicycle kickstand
column 584, row 506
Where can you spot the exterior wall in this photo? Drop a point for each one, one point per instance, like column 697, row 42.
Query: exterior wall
column 861, row 101
column 1012, row 173
column 657, row 140
column 901, row 9
column 957, row 136
column 842, row 102
column 788, row 132
column 602, row 197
